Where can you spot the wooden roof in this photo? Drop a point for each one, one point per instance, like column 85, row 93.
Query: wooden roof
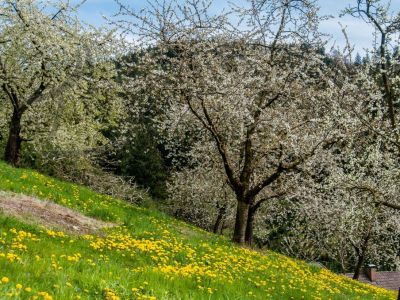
column 387, row 279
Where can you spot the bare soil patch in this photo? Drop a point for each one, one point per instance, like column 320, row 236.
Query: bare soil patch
column 51, row 215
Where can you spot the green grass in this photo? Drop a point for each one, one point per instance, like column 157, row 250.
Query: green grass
column 148, row 256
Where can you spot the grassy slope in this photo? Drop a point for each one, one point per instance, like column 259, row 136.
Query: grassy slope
column 150, row 256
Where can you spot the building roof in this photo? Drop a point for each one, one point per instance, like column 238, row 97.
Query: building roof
column 387, row 279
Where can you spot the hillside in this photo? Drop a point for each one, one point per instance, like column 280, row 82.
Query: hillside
column 140, row 254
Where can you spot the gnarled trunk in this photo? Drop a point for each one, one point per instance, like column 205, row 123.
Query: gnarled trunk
column 249, row 226
column 14, row 141
column 241, row 222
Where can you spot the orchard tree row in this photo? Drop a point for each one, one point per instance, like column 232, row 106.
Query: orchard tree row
column 238, row 121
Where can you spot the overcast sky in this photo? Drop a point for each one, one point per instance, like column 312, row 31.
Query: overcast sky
column 359, row 33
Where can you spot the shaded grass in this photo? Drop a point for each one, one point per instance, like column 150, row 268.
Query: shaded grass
column 149, row 256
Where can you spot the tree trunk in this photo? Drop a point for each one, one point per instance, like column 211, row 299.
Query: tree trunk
column 361, row 255
column 221, row 231
column 358, row 267
column 14, row 141
column 249, row 226
column 220, row 217
column 241, row 222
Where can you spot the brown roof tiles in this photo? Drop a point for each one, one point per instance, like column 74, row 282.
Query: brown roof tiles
column 387, row 279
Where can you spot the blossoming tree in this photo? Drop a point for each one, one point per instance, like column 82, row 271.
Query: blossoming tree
column 43, row 49
column 257, row 92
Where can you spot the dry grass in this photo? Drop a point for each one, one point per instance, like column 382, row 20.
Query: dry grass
column 49, row 214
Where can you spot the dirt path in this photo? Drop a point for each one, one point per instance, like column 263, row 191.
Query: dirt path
column 34, row 211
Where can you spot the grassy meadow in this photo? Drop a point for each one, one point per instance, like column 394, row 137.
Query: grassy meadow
column 147, row 255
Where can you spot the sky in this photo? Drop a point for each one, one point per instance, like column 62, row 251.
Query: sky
column 360, row 34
